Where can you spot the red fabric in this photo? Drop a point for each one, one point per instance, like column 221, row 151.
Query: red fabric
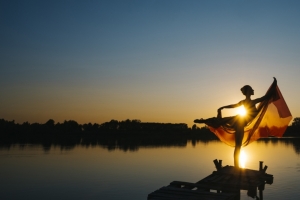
column 272, row 120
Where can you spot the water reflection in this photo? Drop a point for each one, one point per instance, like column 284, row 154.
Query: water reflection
column 104, row 174
column 134, row 143
column 294, row 142
column 243, row 159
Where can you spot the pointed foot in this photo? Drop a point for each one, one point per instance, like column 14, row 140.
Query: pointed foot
column 199, row 121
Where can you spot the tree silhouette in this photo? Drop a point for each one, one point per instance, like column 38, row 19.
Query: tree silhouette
column 112, row 125
column 50, row 123
column 296, row 122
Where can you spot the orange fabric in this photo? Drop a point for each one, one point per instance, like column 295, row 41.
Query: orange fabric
column 272, row 120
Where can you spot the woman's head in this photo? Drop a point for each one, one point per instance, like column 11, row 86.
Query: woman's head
column 247, row 89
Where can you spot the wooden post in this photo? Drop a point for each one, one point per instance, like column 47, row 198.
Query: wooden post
column 252, row 192
column 217, row 164
column 220, row 163
column 261, row 196
column 260, row 165
column 262, row 186
column 261, row 189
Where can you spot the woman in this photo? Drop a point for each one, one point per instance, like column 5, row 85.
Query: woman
column 238, row 123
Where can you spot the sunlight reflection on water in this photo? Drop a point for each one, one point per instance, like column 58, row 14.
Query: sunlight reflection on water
column 243, row 159
column 100, row 173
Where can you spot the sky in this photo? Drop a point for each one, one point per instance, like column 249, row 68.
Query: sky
column 162, row 61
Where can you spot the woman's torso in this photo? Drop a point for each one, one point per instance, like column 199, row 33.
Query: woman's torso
column 250, row 108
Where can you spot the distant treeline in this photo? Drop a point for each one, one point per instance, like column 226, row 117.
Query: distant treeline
column 71, row 126
column 125, row 135
column 113, row 126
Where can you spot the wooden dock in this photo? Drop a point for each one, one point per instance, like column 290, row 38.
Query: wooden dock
column 225, row 183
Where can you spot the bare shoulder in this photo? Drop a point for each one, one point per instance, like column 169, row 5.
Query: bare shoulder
column 258, row 100
column 240, row 103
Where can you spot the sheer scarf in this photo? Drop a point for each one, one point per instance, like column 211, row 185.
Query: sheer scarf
column 272, row 119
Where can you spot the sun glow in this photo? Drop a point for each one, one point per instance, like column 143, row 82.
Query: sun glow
column 243, row 158
column 242, row 111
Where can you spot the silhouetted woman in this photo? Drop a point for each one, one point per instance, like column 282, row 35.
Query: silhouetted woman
column 239, row 122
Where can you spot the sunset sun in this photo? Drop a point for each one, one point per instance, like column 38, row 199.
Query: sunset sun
column 242, row 111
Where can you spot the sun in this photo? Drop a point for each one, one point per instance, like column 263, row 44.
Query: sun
column 242, row 111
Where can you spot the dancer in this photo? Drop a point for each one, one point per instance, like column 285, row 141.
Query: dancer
column 231, row 130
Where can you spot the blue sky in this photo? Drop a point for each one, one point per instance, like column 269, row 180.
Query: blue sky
column 158, row 61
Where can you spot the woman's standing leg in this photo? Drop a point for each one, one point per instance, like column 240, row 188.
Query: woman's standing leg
column 239, row 135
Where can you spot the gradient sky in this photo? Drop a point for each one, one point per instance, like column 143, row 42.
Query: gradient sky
column 157, row 61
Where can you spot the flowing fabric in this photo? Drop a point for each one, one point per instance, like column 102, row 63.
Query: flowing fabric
column 272, row 120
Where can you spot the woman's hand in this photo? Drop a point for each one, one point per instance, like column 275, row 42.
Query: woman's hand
column 275, row 81
column 274, row 84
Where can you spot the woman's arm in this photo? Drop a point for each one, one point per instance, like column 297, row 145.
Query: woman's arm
column 231, row 106
column 268, row 94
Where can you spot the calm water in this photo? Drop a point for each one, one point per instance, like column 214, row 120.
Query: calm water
column 30, row 172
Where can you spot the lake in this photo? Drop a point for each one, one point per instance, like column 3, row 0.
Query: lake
column 100, row 172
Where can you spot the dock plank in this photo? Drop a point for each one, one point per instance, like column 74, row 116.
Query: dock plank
column 168, row 193
column 227, row 181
